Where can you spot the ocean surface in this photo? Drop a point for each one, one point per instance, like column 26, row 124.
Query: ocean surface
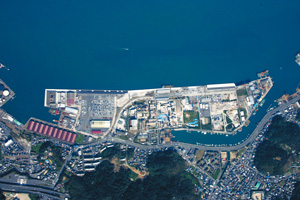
column 82, row 45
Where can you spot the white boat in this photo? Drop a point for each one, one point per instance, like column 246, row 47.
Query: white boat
column 3, row 66
column 298, row 58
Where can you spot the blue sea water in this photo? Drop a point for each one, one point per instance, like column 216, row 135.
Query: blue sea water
column 80, row 44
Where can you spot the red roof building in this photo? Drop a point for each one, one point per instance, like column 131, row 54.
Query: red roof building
column 36, row 126
column 59, row 134
column 96, row 131
column 68, row 136
column 45, row 129
column 70, row 101
column 54, row 132
column 30, row 125
column 41, row 128
column 73, row 138
column 63, row 137
column 50, row 131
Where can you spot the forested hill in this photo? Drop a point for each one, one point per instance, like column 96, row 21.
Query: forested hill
column 280, row 147
column 167, row 179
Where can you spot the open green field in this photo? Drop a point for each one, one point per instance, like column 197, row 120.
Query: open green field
column 133, row 176
column 216, row 174
column 79, row 138
column 190, row 116
column 36, row 148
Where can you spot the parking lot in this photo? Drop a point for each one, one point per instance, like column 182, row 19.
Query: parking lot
column 97, row 106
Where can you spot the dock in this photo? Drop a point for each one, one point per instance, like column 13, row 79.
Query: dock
column 6, row 93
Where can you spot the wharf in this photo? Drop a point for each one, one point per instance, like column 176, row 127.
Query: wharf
column 10, row 121
column 5, row 93
column 215, row 108
column 53, row 131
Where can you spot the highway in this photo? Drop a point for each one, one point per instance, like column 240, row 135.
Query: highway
column 254, row 134
column 11, row 187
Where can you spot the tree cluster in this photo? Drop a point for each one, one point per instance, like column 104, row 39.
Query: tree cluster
column 167, row 180
column 276, row 153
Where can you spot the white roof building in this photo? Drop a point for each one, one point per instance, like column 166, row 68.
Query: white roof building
column 71, row 110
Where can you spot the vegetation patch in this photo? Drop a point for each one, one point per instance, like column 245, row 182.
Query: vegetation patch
column 79, row 138
column 230, row 127
column 190, row 116
column 240, row 152
column 133, row 176
column 56, row 152
column 298, row 116
column 113, row 152
column 36, row 148
column 242, row 92
column 216, row 174
column 228, row 120
column 207, row 126
column 34, row 196
column 199, row 155
column 64, row 177
column 124, row 137
column 26, row 135
column 272, row 155
column 129, row 153
column 296, row 192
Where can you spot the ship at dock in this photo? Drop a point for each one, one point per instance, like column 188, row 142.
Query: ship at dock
column 298, row 58
column 263, row 74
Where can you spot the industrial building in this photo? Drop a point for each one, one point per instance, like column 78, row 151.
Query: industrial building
column 70, row 98
column 51, row 131
column 221, row 86
column 98, row 124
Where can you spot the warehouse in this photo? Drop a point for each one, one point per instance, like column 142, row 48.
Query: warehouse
column 71, row 110
column 221, row 86
column 50, row 131
column 98, row 124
